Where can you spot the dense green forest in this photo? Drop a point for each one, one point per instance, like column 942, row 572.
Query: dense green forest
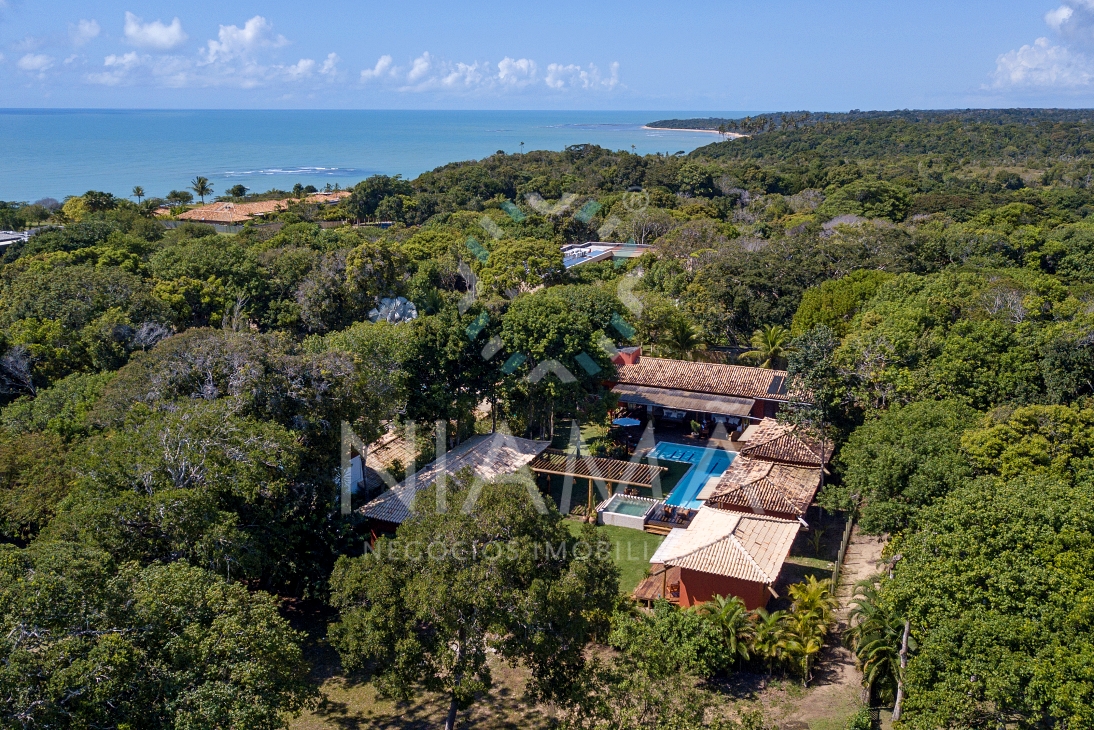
column 172, row 400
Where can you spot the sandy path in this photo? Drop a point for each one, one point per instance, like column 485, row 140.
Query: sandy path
column 834, row 694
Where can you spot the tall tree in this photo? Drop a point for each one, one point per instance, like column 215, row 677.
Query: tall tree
column 201, row 187
column 770, row 346
column 875, row 636
column 138, row 193
column 426, row 609
column 734, row 623
column 87, row 642
column 682, row 340
column 558, row 367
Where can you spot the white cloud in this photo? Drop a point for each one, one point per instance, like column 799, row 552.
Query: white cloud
column 37, row 63
column 84, row 31
column 330, row 66
column 155, row 34
column 557, row 74
column 117, row 68
column 1043, row 65
column 465, row 75
column 126, row 62
column 303, row 67
column 1048, row 65
column 572, row 76
column 240, row 57
column 383, row 66
column 233, row 41
column 509, row 75
column 420, row 67
column 1058, row 17
column 516, row 72
column 1073, row 20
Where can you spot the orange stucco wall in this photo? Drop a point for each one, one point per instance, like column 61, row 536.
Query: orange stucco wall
column 696, row 587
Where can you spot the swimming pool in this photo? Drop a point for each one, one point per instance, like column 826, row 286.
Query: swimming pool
column 624, row 511
column 706, row 463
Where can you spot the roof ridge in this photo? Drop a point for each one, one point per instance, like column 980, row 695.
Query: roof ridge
column 768, row 518
column 781, row 492
column 751, row 492
column 740, row 546
column 734, row 541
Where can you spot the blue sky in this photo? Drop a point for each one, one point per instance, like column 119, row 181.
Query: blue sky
column 777, row 55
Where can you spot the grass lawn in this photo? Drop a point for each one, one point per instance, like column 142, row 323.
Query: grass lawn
column 631, row 550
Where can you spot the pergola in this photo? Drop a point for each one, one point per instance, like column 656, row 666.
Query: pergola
column 594, row 468
column 611, row 471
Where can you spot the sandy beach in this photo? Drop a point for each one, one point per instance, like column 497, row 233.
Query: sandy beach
column 731, row 135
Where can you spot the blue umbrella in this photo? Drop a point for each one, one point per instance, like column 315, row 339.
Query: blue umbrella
column 626, row 422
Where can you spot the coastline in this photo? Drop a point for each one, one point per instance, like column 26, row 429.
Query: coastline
column 263, row 149
column 729, row 135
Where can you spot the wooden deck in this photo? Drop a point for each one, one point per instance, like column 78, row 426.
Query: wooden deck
column 661, row 583
column 664, row 518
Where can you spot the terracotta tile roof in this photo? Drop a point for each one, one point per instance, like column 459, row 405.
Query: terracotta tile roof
column 488, row 457
column 683, row 400
column 732, row 544
column 775, row 441
column 382, row 454
column 228, row 212
column 765, row 486
column 332, row 197
column 737, row 381
column 225, row 212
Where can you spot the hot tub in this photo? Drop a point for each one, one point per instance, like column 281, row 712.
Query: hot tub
column 623, row 510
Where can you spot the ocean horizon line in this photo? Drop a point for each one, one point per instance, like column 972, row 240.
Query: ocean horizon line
column 62, row 151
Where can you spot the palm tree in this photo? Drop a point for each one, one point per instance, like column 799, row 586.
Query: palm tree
column 430, row 302
column 769, row 641
column 805, row 639
column 681, row 340
column 732, row 620
column 816, row 596
column 770, row 346
column 876, row 636
column 138, row 193
column 201, row 187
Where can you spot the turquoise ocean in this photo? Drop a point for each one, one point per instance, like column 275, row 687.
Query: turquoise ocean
column 55, row 153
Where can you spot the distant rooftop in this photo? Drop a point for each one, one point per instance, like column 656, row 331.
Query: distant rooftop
column 229, row 212
column 736, row 381
column 488, row 457
column 593, row 251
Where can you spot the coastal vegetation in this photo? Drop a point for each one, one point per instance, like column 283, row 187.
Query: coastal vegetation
column 171, row 400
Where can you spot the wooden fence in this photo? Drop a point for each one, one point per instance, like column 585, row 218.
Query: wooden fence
column 842, row 552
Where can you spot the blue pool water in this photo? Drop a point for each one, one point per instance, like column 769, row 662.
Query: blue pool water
column 706, row 463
